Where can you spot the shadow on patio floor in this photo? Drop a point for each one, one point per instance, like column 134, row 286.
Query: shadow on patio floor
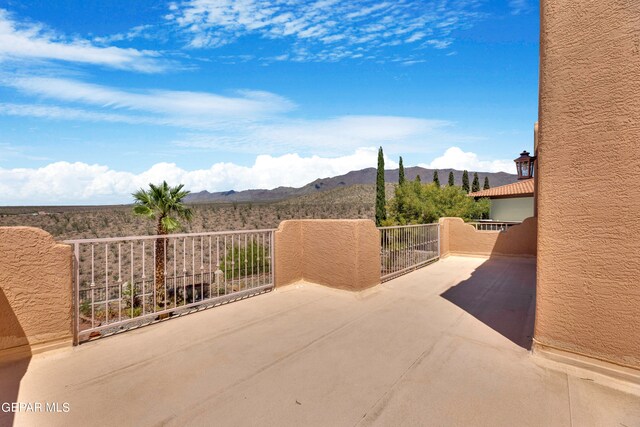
column 11, row 372
column 501, row 293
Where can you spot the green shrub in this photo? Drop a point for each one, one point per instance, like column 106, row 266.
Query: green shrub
column 244, row 260
column 417, row 203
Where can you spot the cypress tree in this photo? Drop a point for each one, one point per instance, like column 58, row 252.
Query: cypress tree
column 381, row 214
column 486, row 185
column 436, row 179
column 417, row 185
column 475, row 186
column 451, row 180
column 465, row 181
column 401, row 179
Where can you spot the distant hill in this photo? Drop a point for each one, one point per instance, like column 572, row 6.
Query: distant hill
column 361, row 177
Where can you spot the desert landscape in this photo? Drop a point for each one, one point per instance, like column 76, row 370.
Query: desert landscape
column 85, row 222
column 347, row 196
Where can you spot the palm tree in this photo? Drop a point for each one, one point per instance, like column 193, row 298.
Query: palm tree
column 163, row 204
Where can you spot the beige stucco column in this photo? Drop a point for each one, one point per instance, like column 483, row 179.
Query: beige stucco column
column 35, row 292
column 588, row 291
column 343, row 254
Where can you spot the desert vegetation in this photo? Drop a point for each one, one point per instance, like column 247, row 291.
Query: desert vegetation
column 79, row 222
column 423, row 203
column 418, row 203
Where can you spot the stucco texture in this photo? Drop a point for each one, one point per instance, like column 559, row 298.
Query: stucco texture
column 342, row 254
column 35, row 291
column 588, row 278
column 458, row 238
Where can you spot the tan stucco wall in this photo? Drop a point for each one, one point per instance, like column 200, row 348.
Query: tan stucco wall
column 588, row 290
column 288, row 253
column 35, row 291
column 511, row 209
column 458, row 238
column 343, row 254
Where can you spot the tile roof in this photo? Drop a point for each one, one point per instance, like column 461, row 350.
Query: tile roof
column 520, row 188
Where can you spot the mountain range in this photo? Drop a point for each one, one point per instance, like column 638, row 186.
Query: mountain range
column 364, row 176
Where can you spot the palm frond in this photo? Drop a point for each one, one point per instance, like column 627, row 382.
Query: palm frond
column 144, row 211
column 163, row 202
column 169, row 224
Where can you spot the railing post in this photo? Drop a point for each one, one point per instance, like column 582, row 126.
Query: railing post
column 76, row 292
column 438, row 240
column 272, row 260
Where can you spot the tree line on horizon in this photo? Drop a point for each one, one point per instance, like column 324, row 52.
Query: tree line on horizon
column 416, row 202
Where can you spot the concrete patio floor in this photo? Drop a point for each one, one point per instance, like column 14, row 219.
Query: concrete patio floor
column 445, row 345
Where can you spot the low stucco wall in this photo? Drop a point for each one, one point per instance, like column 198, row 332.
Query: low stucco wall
column 343, row 254
column 588, row 290
column 458, row 238
column 35, row 292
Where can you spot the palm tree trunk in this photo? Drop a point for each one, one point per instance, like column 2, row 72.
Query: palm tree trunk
column 160, row 265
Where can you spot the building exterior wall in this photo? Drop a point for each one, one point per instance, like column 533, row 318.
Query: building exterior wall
column 343, row 254
column 458, row 238
column 588, row 289
column 35, row 292
column 535, row 169
column 511, row 209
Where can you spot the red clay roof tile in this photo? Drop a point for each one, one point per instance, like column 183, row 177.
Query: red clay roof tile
column 520, row 188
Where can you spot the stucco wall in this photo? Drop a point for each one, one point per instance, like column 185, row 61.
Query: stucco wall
column 35, row 291
column 458, row 238
column 588, row 290
column 535, row 169
column 288, row 253
column 511, row 209
column 343, row 254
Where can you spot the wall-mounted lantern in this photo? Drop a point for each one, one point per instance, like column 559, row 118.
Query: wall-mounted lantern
column 524, row 164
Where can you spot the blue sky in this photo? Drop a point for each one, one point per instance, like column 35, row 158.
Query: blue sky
column 99, row 98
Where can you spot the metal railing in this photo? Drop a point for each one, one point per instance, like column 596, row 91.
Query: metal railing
column 122, row 283
column 408, row 247
column 493, row 225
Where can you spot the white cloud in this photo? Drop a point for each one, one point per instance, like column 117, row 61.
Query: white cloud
column 139, row 31
column 64, row 113
column 416, row 36
column 455, row 158
column 247, row 121
column 413, row 62
column 20, row 41
column 73, row 183
column 322, row 30
column 204, row 106
column 438, row 44
column 519, row 6
column 274, row 135
column 337, row 135
column 350, row 131
column 250, row 121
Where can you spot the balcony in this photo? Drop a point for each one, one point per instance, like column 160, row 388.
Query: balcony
column 444, row 345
